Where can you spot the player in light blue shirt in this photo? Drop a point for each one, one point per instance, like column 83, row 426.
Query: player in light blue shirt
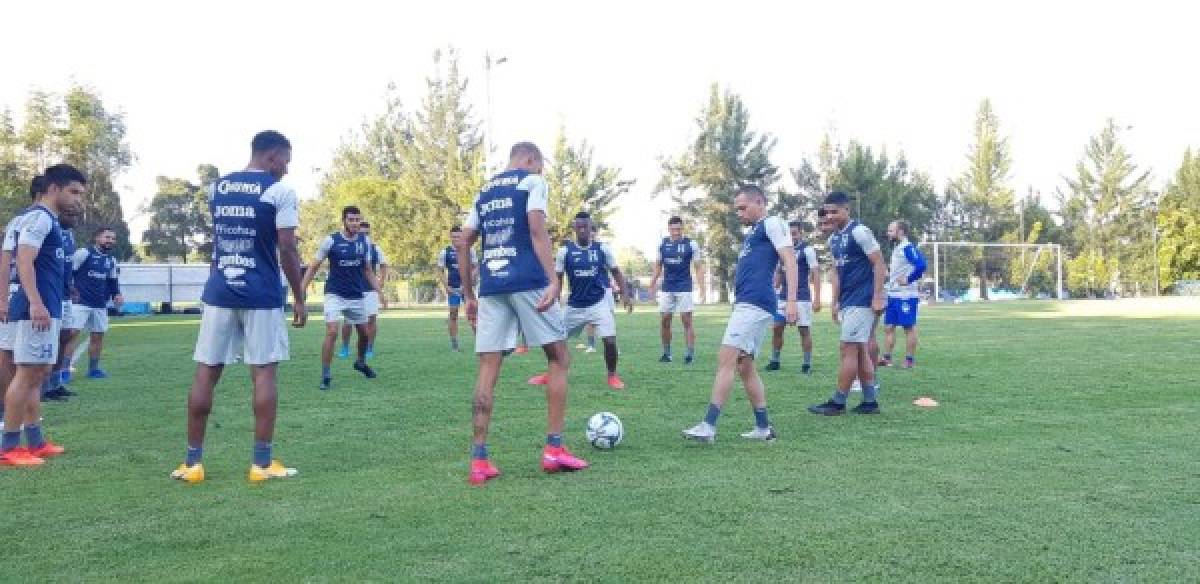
column 907, row 267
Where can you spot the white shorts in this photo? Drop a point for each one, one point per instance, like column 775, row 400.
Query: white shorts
column 68, row 323
column 674, row 302
column 371, row 303
column 32, row 347
column 804, row 313
column 858, row 324
column 599, row 314
column 93, row 319
column 746, row 328
column 500, row 316
column 353, row 310
column 257, row 336
column 8, row 335
column 608, row 298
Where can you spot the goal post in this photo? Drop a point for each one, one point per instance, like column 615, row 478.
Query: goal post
column 964, row 271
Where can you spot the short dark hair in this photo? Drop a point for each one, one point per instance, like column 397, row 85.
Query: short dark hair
column 583, row 215
column 362, row 224
column 350, row 210
column 37, row 186
column 268, row 140
column 904, row 226
column 675, row 220
column 102, row 229
column 796, row 223
column 61, row 175
column 525, row 149
column 753, row 191
column 837, row 198
column 455, row 229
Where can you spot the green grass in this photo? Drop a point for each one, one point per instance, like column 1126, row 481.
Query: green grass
column 1064, row 450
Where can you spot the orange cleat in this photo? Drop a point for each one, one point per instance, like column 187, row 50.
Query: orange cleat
column 558, row 458
column 19, row 457
column 47, row 449
column 482, row 471
column 540, row 379
column 521, row 350
column 614, row 381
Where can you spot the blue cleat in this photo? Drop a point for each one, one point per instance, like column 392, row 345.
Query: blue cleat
column 65, row 376
column 370, row 353
column 344, row 353
column 97, row 374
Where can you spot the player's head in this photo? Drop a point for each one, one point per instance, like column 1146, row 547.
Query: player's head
column 351, row 219
column 837, row 208
column 897, row 230
column 37, row 187
column 796, row 227
column 70, row 216
column 65, row 186
column 272, row 152
column 583, row 227
column 455, row 235
column 750, row 204
column 525, row 156
column 675, row 227
column 364, row 228
column 824, row 222
column 104, row 238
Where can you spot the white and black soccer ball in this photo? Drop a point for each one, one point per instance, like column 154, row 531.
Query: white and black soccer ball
column 604, row 430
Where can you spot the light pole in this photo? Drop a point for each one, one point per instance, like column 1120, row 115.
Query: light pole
column 488, row 63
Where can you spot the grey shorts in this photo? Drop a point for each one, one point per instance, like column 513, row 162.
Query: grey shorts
column 94, row 319
column 599, row 314
column 501, row 315
column 858, row 324
column 746, row 328
column 32, row 347
column 354, row 310
column 257, row 336
column 68, row 323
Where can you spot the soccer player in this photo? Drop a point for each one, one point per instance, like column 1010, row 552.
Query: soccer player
column 254, row 218
column 379, row 266
column 677, row 257
column 858, row 301
column 96, row 282
column 36, row 307
column 766, row 246
column 8, row 327
column 515, row 289
column 808, row 299
column 349, row 278
column 907, row 267
column 587, row 263
column 55, row 386
column 452, row 282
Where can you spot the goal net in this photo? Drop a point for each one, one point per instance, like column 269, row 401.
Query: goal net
column 968, row 272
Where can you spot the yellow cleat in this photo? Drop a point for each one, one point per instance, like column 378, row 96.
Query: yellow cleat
column 189, row 474
column 259, row 474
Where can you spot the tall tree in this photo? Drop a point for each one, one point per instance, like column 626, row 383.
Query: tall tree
column 179, row 218
column 576, row 184
column 1107, row 212
column 14, row 174
column 981, row 199
column 703, row 180
column 1179, row 225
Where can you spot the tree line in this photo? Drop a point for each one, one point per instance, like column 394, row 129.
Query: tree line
column 414, row 171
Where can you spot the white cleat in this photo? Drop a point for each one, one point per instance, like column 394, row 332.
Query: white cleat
column 765, row 434
column 856, row 386
column 702, row 432
column 590, row 350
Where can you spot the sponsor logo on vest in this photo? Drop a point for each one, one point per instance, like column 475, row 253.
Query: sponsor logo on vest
column 236, row 260
column 495, row 205
column 242, row 211
column 226, row 187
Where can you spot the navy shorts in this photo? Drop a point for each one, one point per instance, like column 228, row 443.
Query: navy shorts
column 454, row 299
column 901, row 312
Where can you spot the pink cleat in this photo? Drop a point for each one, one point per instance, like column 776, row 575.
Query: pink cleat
column 540, row 379
column 614, row 381
column 558, row 458
column 482, row 471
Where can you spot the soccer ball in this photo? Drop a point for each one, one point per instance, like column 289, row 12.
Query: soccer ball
column 604, row 430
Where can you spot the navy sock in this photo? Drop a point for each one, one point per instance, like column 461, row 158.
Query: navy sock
column 554, row 440
column 453, row 342
column 479, row 451
column 11, row 440
column 870, row 392
column 666, row 348
column 808, row 358
column 591, row 342
column 714, row 412
column 194, row 455
column 93, row 364
column 262, row 453
column 909, row 358
column 760, row 418
column 691, row 352
column 839, row 397
column 887, row 356
column 325, row 373
column 33, row 436
column 775, row 355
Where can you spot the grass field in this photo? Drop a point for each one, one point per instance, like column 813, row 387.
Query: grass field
column 1065, row 449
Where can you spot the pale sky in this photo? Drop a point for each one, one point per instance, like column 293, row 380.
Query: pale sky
column 197, row 80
